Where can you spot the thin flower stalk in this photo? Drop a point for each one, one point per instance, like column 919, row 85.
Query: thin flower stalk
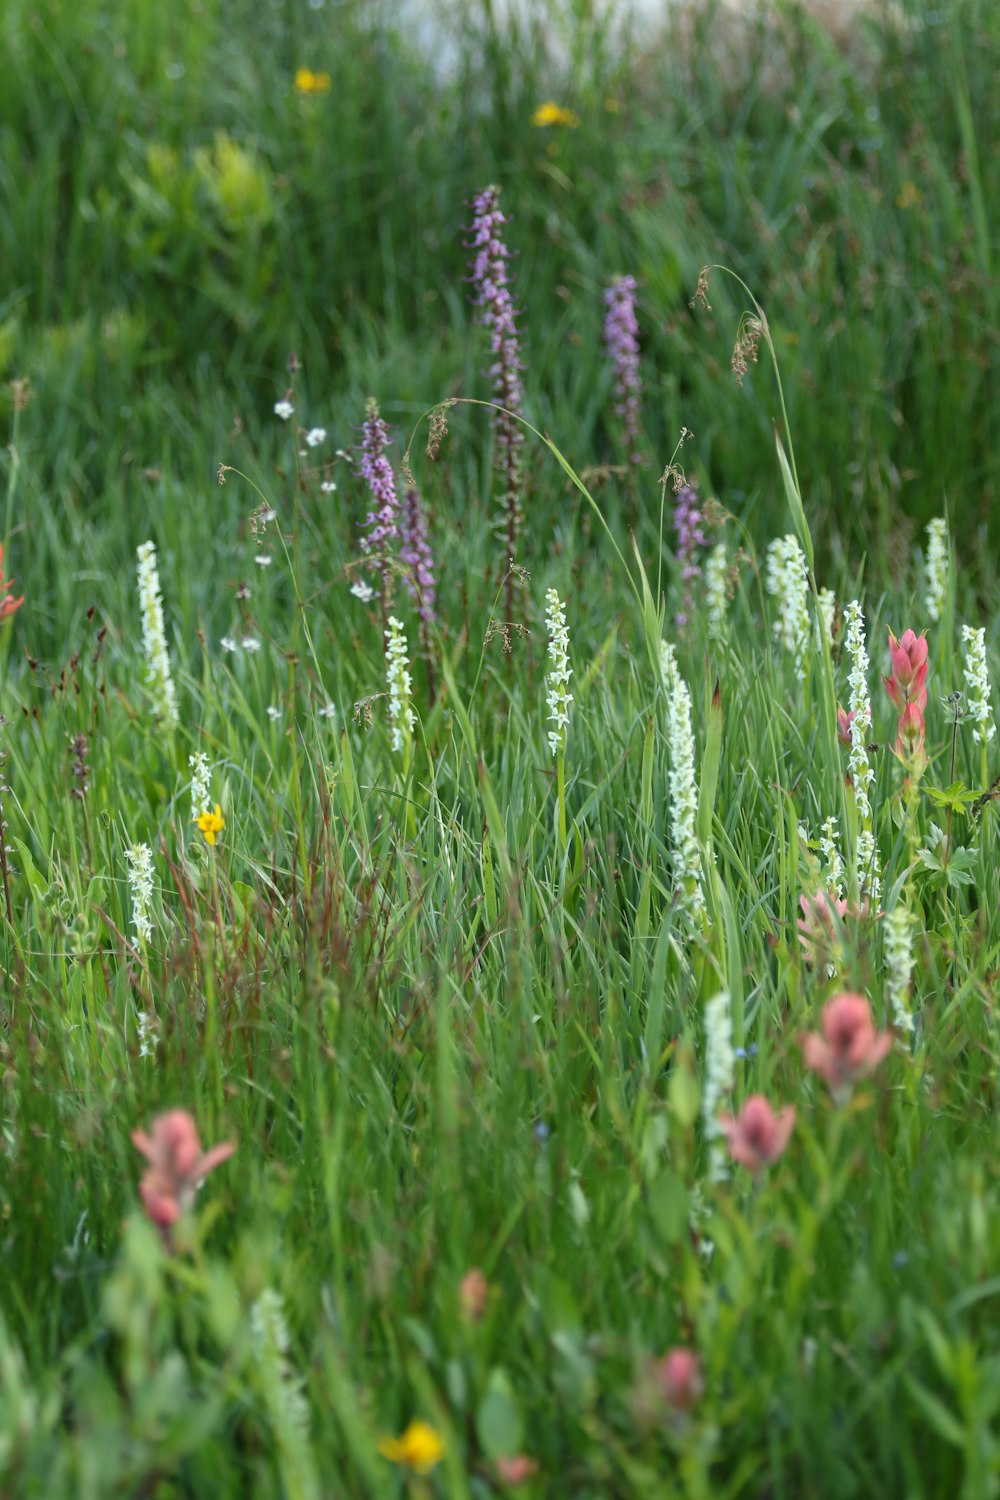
column 899, row 966
column 140, row 880
column 402, row 719
column 159, row 678
column 787, row 580
column 492, row 296
column 977, row 682
column 621, row 338
column 936, row 596
column 717, row 592
column 688, row 524
column 720, row 1061
column 862, row 775
column 382, row 521
column 685, row 849
column 830, row 850
column 557, row 695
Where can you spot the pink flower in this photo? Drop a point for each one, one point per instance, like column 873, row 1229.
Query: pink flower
column 177, row 1166
column 849, row 1047
column 844, row 722
column 910, row 732
column 473, row 1292
column 819, row 924
column 516, row 1470
column 757, row 1136
column 8, row 604
column 908, row 660
column 680, row 1379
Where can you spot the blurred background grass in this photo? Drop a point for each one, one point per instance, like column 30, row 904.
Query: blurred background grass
column 176, row 219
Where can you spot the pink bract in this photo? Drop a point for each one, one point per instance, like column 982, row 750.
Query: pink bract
column 757, row 1135
column 848, row 1047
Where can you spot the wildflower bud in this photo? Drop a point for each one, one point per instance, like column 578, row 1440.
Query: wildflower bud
column 680, row 1379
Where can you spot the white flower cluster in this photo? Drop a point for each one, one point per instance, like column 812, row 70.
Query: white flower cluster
column 787, row 578
column 154, row 638
column 834, row 878
column 140, row 881
column 397, row 678
column 977, row 680
column 826, row 606
column 282, row 1390
column 683, row 785
column 937, row 567
column 719, row 1064
column 862, row 775
column 201, row 785
column 557, row 693
column 717, row 591
column 899, row 966
column 146, row 1024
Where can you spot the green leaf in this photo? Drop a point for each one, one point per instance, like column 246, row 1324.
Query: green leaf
column 937, row 1414
column 499, row 1425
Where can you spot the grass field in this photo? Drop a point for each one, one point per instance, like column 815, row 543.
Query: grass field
column 501, row 951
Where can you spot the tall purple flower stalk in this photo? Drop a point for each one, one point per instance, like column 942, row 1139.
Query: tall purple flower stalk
column 491, row 294
column 688, row 526
column 416, row 556
column 621, row 335
column 383, row 519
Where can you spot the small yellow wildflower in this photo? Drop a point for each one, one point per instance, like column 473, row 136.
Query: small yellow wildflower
column 554, row 114
column 308, row 82
column 419, row 1448
column 909, row 195
column 210, row 824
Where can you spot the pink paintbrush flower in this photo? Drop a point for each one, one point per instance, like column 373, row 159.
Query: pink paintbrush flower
column 177, row 1165
column 680, row 1379
column 516, row 1470
column 757, row 1136
column 847, row 1047
column 908, row 660
column 844, row 722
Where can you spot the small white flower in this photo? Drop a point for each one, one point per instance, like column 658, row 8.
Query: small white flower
column 328, row 711
column 147, row 1033
column 362, row 590
column 228, row 644
column 249, row 643
column 315, row 436
column 788, row 580
column 827, row 611
column 273, row 713
column 342, row 453
column 937, row 567
column 268, row 515
column 834, row 879
column 719, row 1065
column 154, row 639
column 684, row 846
column 201, row 785
column 557, row 693
column 140, row 879
column 716, row 591
column 862, row 774
column 283, row 409
column 977, row 680
column 262, row 560
column 397, row 678
column 328, row 486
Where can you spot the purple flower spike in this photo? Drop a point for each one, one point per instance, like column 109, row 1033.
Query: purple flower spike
column 383, row 519
column 491, row 294
column 416, row 556
column 688, row 525
column 621, row 335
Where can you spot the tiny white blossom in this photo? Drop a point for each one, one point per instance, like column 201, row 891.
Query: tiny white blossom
column 719, row 1075
column 401, row 715
column 977, row 680
column 937, row 567
column 557, row 694
column 362, row 590
column 787, row 579
column 899, row 966
column 328, row 711
column 273, row 712
column 342, row 453
column 684, row 845
column 263, row 560
column 250, row 643
column 268, row 515
column 154, row 640
column 328, row 486
column 147, row 1033
column 228, row 644
column 826, row 605
column 834, row 880
column 283, row 409
column 140, row 879
column 315, row 436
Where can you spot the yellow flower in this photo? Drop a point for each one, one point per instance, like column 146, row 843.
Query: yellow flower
column 308, row 82
column 419, row 1448
column 210, row 824
column 909, row 195
column 554, row 114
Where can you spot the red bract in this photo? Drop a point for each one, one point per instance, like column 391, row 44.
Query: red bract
column 848, row 1047
column 680, row 1379
column 177, row 1165
column 757, row 1136
column 8, row 604
column 908, row 660
column 844, row 722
